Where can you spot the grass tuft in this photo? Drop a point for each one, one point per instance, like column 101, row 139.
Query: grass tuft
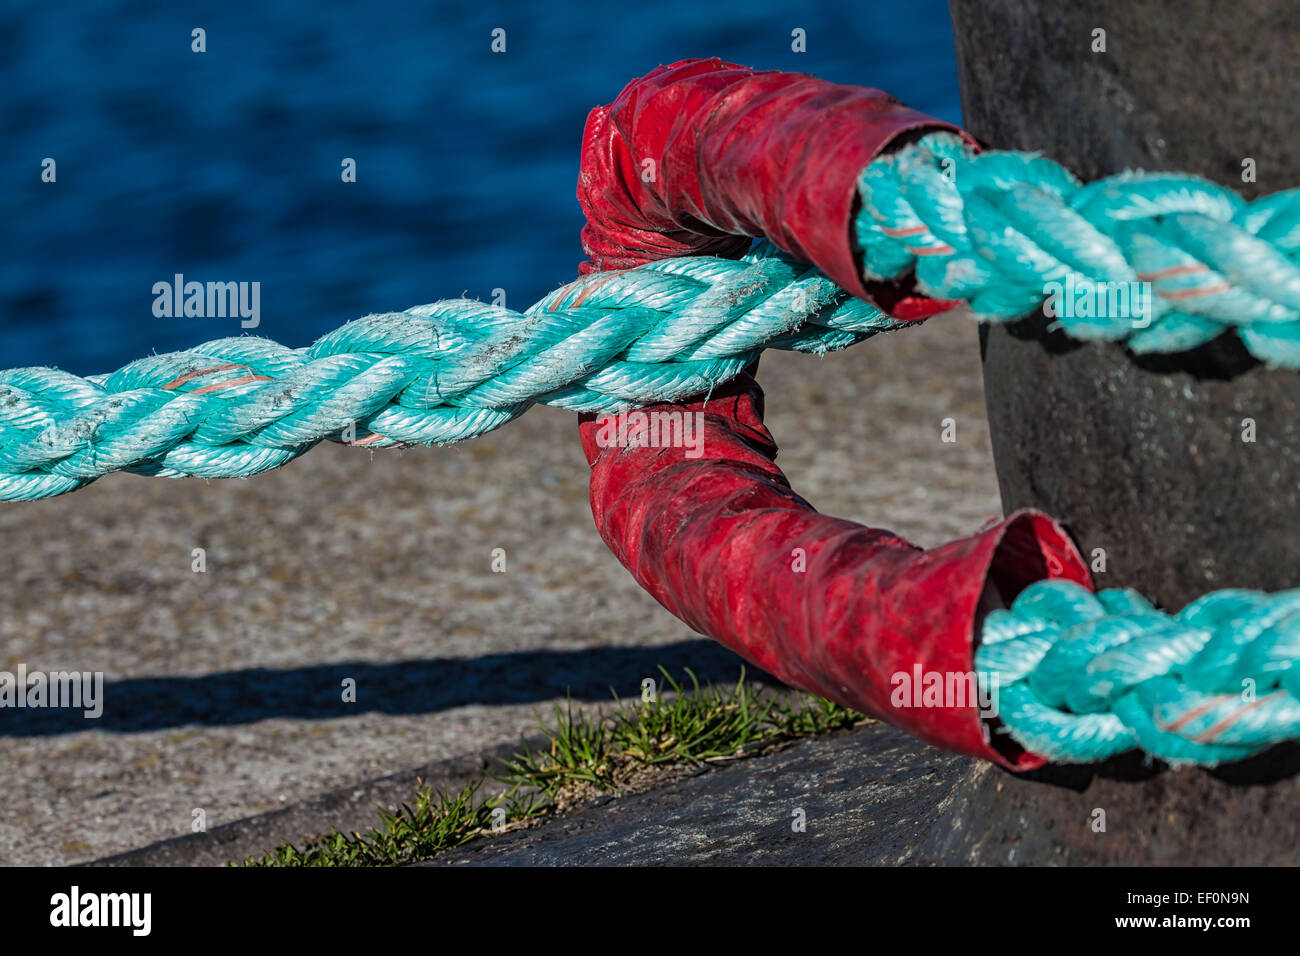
column 623, row 750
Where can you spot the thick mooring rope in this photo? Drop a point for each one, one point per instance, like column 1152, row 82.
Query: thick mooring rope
column 1161, row 261
column 994, row 229
column 433, row 374
column 1080, row 677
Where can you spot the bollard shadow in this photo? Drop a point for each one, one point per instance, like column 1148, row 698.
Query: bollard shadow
column 1278, row 763
column 1223, row 358
column 410, row 687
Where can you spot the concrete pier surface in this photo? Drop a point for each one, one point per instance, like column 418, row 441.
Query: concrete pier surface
column 223, row 688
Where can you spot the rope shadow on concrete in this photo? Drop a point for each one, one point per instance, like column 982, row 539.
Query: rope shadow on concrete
column 411, row 687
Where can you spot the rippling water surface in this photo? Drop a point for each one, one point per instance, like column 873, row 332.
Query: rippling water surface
column 225, row 165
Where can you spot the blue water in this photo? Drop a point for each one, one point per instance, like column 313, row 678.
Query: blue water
column 225, row 165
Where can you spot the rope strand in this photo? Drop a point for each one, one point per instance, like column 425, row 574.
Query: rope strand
column 1081, row 677
column 434, row 374
column 1163, row 262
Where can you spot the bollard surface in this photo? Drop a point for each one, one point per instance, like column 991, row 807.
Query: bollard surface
column 1144, row 458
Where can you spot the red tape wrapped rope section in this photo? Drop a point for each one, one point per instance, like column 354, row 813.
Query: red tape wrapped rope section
column 693, row 159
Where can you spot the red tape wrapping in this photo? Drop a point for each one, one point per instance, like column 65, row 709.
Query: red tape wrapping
column 694, row 158
column 826, row 605
column 721, row 540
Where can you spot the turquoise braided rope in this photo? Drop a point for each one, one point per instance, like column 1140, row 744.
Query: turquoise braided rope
column 1081, row 677
column 996, row 228
column 434, row 374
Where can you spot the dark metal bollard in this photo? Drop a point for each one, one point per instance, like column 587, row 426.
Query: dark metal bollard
column 1144, row 458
